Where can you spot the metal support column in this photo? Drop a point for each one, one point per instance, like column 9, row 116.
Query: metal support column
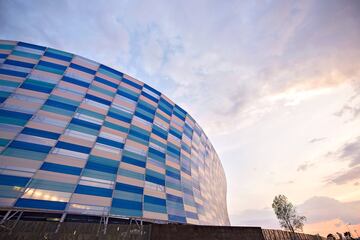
column 106, row 224
column 16, row 221
column 5, row 217
column 62, row 219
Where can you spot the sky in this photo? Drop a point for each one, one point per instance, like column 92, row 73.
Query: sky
column 274, row 84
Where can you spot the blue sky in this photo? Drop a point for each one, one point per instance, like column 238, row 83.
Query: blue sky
column 274, row 84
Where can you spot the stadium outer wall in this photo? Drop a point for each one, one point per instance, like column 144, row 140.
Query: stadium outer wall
column 79, row 137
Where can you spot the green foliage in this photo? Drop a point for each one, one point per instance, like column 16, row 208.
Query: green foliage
column 286, row 213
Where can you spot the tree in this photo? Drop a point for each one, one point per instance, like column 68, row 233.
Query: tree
column 286, row 213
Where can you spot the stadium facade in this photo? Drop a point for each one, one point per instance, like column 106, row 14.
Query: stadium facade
column 82, row 138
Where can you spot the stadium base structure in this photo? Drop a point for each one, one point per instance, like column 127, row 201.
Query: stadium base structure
column 34, row 226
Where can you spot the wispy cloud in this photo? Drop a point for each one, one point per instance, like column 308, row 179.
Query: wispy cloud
column 318, row 209
column 305, row 166
column 345, row 176
column 350, row 152
column 315, row 140
column 351, row 107
column 189, row 55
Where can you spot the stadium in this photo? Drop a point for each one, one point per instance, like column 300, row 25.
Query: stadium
column 78, row 138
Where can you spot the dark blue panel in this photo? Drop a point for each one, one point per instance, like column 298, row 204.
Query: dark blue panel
column 131, row 83
column 76, row 81
column 110, row 142
column 30, row 146
column 129, row 188
column 36, row 88
column 73, row 147
column 174, row 198
column 188, row 130
column 40, row 204
column 192, row 215
column 60, row 105
column 97, row 99
column 177, row 218
column 13, row 73
column 154, row 200
column 125, row 94
column 57, row 56
column 173, row 150
column 166, row 103
column 133, row 161
column 197, row 130
column 2, row 55
column 179, row 115
column 13, row 180
column 186, row 170
column 186, row 148
column 172, row 174
column 149, row 97
column 159, row 132
column 40, row 133
column 142, row 116
column 106, row 82
column 95, row 191
column 2, row 99
column 156, row 152
column 5, row 113
column 200, row 208
column 85, row 124
column 53, row 167
column 28, row 45
column 126, row 204
column 139, row 135
column 187, row 191
column 180, row 109
column 152, row 89
column 146, row 108
column 175, row 133
column 19, row 64
column 120, row 74
column 82, row 68
column 155, row 180
column 101, row 167
column 165, row 110
column 52, row 65
column 119, row 117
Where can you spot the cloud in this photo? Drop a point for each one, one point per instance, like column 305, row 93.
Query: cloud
column 78, row 27
column 305, row 166
column 238, row 61
column 351, row 107
column 285, row 182
column 255, row 217
column 318, row 209
column 346, row 176
column 315, row 140
column 350, row 152
column 331, row 226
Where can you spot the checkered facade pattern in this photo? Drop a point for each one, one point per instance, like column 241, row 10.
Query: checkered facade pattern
column 79, row 137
